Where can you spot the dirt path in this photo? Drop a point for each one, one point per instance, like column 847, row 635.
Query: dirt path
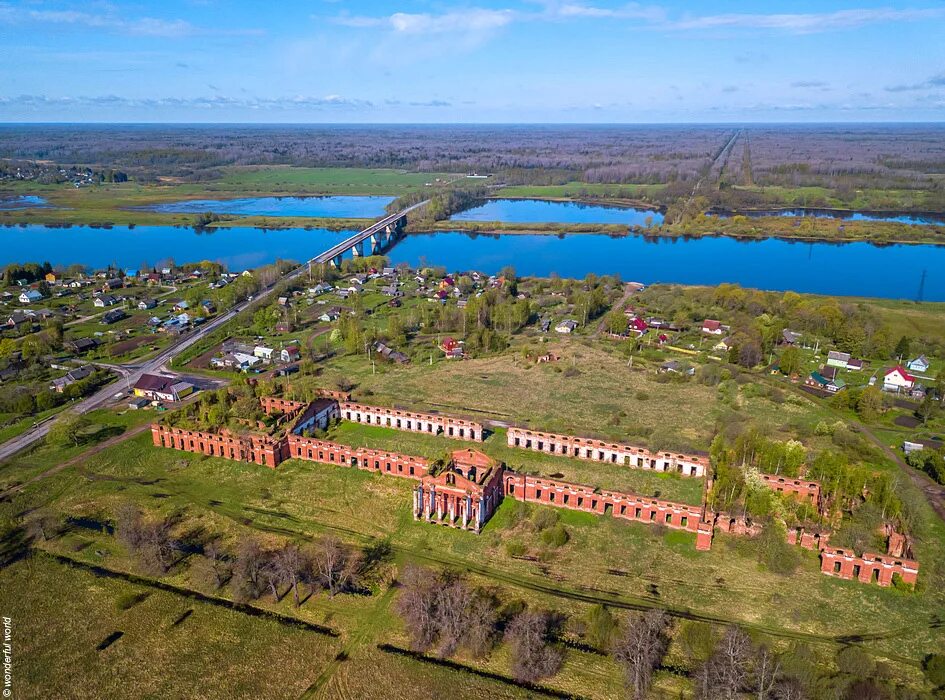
column 94, row 450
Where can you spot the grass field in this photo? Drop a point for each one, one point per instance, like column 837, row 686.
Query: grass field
column 169, row 646
column 623, row 564
column 121, row 204
column 578, row 190
column 601, row 397
column 607, row 476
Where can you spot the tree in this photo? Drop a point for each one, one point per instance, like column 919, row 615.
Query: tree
column 417, row 605
column 601, row 627
column 766, row 672
column 533, row 655
column 902, row 348
column 790, row 361
column 641, row 649
column 934, row 667
column 869, row 403
column 291, row 564
column 247, row 571
column 148, row 540
column 726, row 672
column 212, row 569
column 68, row 429
column 334, row 565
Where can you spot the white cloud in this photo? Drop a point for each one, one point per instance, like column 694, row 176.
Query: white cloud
column 109, row 20
column 805, row 22
column 478, row 20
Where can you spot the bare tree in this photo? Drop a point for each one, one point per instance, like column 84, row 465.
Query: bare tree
column 790, row 688
column 291, row 564
column 481, row 619
column 727, row 670
column 334, row 565
column 271, row 574
column 157, row 550
column 247, row 572
column 766, row 671
column 149, row 541
column 43, row 526
column 212, row 569
column 533, row 656
column 417, row 605
column 641, row 649
column 128, row 526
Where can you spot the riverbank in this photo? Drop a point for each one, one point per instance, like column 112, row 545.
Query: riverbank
column 777, row 227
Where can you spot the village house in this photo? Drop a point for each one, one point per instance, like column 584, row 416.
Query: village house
column 19, row 320
column 566, row 326
column 73, row 376
column 239, row 361
column 838, row 359
column 832, row 384
column 290, row 353
column 897, row 380
column 713, row 327
column 676, row 367
column 30, row 296
column 113, row 316
column 330, row 315
column 146, row 304
column 112, row 284
column 181, row 305
column 263, row 353
column 81, row 345
column 390, row 354
column 104, row 300
column 160, row 388
column 789, row 337
column 919, row 364
column 451, row 347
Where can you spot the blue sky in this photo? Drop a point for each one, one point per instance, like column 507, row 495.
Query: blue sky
column 489, row 61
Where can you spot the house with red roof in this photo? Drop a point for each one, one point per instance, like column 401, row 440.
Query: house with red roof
column 898, row 379
column 712, row 327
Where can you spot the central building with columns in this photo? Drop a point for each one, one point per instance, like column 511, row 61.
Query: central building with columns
column 464, row 494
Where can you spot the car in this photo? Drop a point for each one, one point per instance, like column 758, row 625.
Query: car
column 119, row 395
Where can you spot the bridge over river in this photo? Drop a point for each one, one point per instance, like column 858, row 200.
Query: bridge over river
column 381, row 235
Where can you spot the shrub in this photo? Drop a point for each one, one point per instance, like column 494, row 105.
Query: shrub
column 544, row 518
column 556, row 536
column 515, row 549
column 934, row 667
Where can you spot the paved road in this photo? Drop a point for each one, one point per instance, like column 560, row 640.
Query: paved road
column 131, row 373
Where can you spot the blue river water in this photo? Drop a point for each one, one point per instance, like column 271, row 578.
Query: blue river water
column 846, row 269
column 239, row 248
column 22, row 201
column 914, row 219
column 525, row 211
column 326, row 207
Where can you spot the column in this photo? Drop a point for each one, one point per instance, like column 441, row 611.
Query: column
column 467, row 504
column 430, row 505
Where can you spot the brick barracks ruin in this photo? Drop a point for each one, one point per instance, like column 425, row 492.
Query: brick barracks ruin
column 464, row 489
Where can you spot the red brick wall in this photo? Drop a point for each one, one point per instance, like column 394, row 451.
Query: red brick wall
column 620, row 505
column 869, row 568
column 803, row 488
column 244, row 447
column 601, row 451
column 471, row 430
column 271, row 404
column 393, row 463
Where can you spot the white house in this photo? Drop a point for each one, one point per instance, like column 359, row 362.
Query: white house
column 897, row 379
column 29, row 296
column 264, row 353
column 566, row 326
column 919, row 364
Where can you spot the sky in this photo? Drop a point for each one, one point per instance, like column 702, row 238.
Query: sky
column 502, row 61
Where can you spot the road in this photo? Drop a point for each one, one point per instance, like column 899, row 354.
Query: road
column 131, row 373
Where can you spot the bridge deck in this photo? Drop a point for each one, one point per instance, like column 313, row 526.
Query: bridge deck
column 360, row 236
